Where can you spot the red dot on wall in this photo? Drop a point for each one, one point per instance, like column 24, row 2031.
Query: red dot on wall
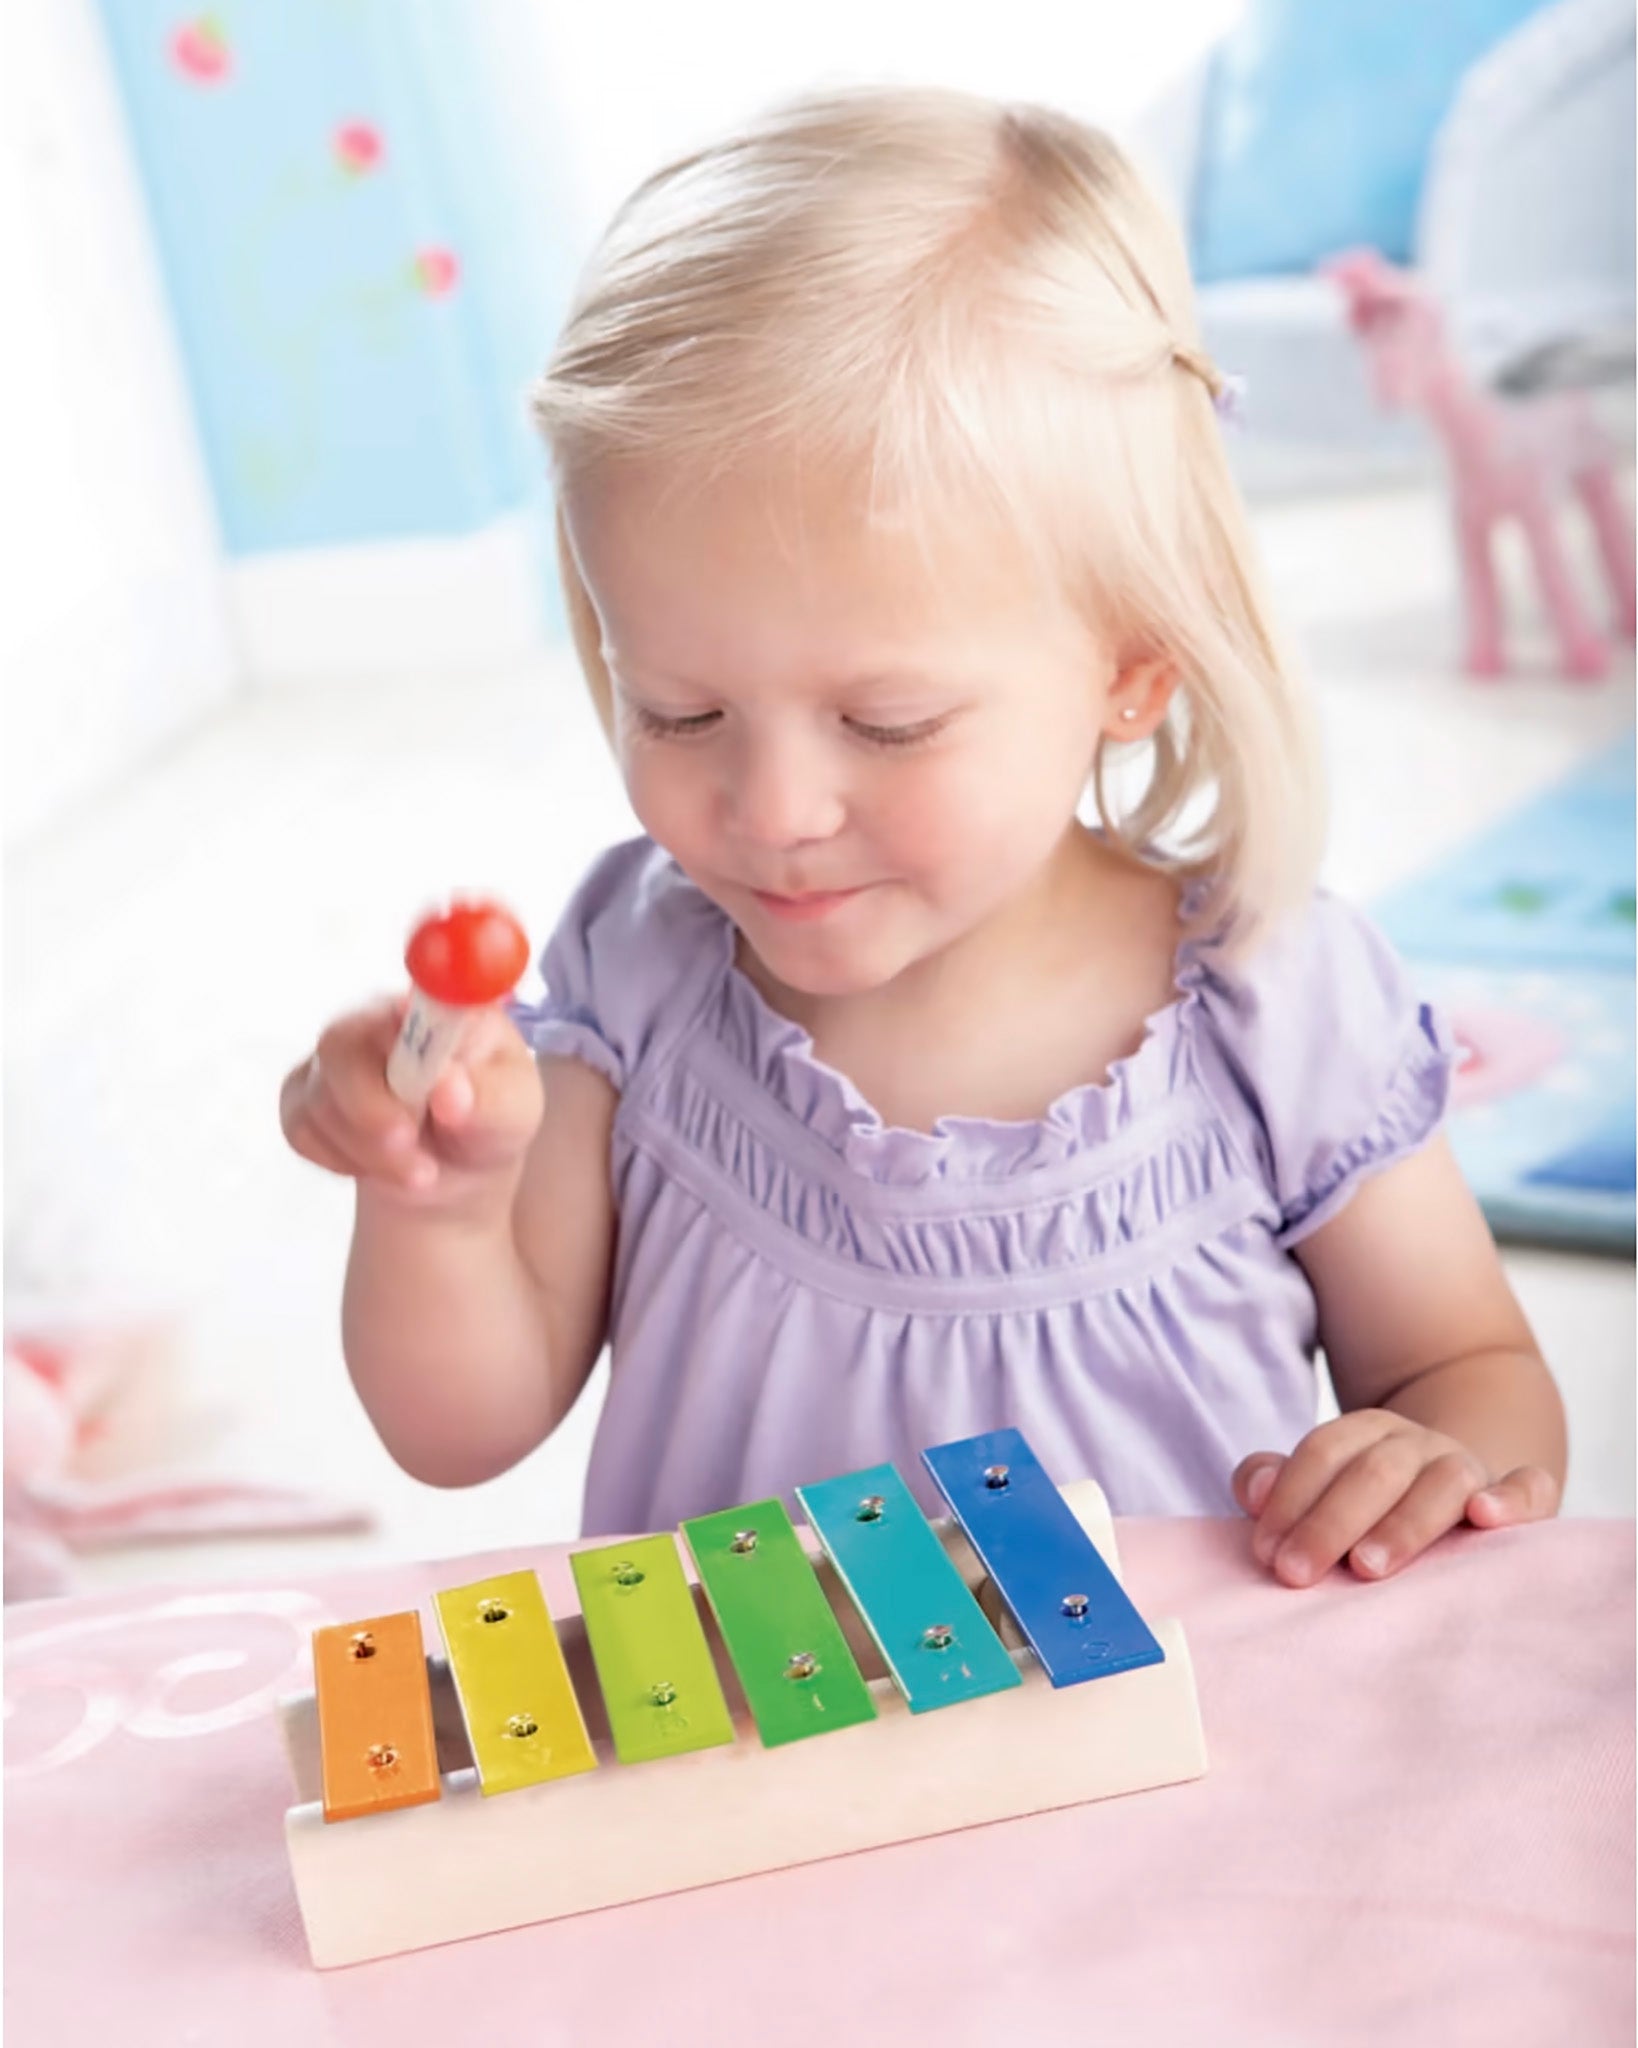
column 358, row 147
column 200, row 51
column 436, row 272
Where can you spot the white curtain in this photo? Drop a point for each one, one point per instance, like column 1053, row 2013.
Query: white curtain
column 113, row 633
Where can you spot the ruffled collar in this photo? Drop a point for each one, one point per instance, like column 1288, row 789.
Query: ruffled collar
column 780, row 1055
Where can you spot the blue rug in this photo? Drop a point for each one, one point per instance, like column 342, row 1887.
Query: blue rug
column 1525, row 940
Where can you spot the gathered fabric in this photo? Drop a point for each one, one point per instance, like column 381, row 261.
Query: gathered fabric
column 802, row 1289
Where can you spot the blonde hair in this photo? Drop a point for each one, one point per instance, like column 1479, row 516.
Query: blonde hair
column 981, row 306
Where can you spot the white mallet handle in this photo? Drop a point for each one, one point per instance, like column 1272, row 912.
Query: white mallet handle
column 426, row 1043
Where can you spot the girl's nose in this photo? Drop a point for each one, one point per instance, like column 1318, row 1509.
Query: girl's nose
column 782, row 791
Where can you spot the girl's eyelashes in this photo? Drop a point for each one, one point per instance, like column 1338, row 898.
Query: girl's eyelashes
column 674, row 728
column 698, row 722
column 899, row 735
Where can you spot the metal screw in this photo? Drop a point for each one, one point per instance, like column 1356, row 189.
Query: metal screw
column 662, row 1694
column 627, row 1575
column 870, row 1508
column 381, row 1756
column 493, row 1610
column 995, row 1477
column 939, row 1637
column 744, row 1541
column 803, row 1665
column 522, row 1725
column 362, row 1645
column 1075, row 1606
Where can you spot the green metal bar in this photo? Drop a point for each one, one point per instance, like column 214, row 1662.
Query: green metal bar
column 654, row 1665
column 793, row 1661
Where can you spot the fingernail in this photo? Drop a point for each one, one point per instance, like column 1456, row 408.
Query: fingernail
column 1258, row 1487
column 458, row 1096
column 423, row 1173
column 1295, row 1569
column 1371, row 1557
column 400, row 1138
column 1263, row 1545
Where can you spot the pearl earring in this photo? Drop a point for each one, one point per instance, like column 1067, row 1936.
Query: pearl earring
column 1128, row 713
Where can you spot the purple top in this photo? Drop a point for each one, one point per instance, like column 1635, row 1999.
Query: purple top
column 800, row 1289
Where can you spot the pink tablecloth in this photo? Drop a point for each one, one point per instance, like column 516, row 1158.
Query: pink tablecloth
column 1417, row 1827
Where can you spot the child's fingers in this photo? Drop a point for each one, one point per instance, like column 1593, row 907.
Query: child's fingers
column 1432, row 1505
column 488, row 1101
column 350, row 1078
column 451, row 1098
column 485, row 1116
column 336, row 1108
column 372, row 1028
column 490, row 1034
column 1353, row 1502
column 311, row 1143
column 503, row 1117
column 488, row 1041
column 1253, row 1481
column 1528, row 1493
column 392, row 1160
column 338, row 1111
column 1304, row 1477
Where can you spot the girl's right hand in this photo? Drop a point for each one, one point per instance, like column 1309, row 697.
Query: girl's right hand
column 337, row 1110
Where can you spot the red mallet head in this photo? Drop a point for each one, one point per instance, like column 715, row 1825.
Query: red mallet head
column 468, row 955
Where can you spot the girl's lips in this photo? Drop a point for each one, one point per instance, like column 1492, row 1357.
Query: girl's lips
column 801, row 909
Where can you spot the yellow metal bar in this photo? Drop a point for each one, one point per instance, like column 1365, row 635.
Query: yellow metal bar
column 522, row 1717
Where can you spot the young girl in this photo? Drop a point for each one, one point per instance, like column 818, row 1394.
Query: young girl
column 875, row 1099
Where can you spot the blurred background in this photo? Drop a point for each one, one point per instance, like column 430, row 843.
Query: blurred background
column 283, row 661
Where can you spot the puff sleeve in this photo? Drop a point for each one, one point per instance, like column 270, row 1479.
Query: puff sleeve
column 629, row 955
column 1324, row 1059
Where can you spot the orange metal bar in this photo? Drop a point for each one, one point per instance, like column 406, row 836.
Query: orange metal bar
column 375, row 1716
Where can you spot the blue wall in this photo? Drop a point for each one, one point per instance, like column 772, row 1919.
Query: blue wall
column 356, row 231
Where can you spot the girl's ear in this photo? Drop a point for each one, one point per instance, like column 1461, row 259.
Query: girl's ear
column 1138, row 698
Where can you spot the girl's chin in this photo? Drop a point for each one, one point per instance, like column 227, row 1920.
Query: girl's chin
column 801, row 962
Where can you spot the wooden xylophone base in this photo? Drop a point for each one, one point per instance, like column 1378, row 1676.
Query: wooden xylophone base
column 467, row 1864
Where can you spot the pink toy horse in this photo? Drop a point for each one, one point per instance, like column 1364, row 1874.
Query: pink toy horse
column 1509, row 459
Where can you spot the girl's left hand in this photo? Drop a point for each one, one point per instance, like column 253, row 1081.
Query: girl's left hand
column 1376, row 1488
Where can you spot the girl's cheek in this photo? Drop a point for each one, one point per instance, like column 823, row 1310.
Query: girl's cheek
column 660, row 779
column 946, row 809
column 665, row 794
column 926, row 819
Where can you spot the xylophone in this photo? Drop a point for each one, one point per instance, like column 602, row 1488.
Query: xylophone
column 1003, row 1609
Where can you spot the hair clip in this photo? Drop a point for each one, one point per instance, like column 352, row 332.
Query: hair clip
column 1228, row 401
